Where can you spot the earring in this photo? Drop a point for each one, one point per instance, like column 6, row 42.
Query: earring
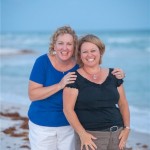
column 54, row 52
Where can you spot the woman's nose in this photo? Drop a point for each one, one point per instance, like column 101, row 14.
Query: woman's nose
column 89, row 54
column 65, row 46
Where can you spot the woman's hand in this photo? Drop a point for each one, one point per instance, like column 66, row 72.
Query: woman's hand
column 118, row 73
column 67, row 79
column 87, row 141
column 123, row 138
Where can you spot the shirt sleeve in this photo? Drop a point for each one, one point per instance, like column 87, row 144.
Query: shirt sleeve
column 38, row 71
column 75, row 84
column 72, row 85
column 118, row 82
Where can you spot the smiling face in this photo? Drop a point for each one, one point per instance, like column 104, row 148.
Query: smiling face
column 90, row 54
column 90, row 50
column 64, row 47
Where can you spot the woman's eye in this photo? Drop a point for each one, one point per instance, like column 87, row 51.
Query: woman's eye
column 93, row 50
column 69, row 43
column 84, row 52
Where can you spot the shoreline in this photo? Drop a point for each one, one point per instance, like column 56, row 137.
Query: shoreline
column 138, row 140
column 14, row 130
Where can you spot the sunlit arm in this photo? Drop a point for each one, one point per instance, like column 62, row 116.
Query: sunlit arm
column 124, row 107
column 69, row 100
column 37, row 91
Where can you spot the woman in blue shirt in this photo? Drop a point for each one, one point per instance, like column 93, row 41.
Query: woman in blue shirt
column 48, row 126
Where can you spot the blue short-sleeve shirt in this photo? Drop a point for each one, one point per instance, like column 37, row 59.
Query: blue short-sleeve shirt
column 48, row 111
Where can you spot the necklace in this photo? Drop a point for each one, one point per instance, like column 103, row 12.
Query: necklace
column 93, row 76
column 62, row 66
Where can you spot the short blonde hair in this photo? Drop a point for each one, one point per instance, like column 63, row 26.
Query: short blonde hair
column 92, row 39
column 61, row 31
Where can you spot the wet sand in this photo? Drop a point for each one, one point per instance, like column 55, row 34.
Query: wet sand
column 14, row 130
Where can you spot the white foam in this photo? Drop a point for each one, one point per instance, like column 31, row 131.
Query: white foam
column 8, row 51
column 24, row 39
column 140, row 119
column 127, row 40
column 119, row 40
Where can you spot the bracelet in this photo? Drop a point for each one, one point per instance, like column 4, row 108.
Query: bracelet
column 127, row 127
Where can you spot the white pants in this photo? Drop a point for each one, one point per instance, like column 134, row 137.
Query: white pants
column 51, row 138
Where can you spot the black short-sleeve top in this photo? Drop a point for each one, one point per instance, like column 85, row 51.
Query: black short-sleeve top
column 96, row 104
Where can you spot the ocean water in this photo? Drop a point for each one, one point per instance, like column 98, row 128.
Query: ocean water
column 129, row 50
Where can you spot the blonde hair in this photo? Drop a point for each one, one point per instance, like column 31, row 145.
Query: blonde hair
column 92, row 39
column 61, row 31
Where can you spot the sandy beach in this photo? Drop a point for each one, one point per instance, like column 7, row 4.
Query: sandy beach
column 13, row 127
column 14, row 130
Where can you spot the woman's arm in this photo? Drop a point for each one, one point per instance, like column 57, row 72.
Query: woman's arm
column 124, row 109
column 69, row 100
column 37, row 91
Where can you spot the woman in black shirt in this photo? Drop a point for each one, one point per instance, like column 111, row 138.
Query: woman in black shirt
column 95, row 104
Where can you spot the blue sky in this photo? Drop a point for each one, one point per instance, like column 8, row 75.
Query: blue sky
column 45, row 15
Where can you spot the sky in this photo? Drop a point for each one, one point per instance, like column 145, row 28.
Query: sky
column 46, row 15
